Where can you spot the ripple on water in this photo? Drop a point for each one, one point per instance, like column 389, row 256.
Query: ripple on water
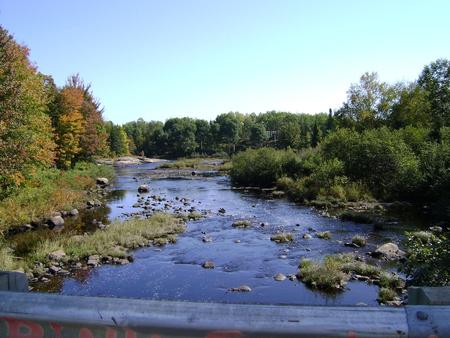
column 240, row 256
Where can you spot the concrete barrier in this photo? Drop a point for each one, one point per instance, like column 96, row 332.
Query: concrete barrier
column 34, row 315
column 13, row 281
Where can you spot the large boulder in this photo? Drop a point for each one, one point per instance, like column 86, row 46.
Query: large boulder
column 56, row 221
column 102, row 181
column 143, row 188
column 389, row 251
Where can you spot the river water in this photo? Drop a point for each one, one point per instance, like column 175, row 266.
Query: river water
column 241, row 256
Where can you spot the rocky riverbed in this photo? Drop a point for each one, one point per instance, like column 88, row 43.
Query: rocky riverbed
column 239, row 245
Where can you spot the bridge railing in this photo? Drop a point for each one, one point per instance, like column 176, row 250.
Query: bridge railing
column 34, row 315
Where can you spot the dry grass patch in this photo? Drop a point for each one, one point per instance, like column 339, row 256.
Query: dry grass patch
column 115, row 240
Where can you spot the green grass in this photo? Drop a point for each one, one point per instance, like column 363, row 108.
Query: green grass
column 327, row 276
column 7, row 260
column 197, row 164
column 283, row 237
column 357, row 217
column 333, row 273
column 159, row 229
column 241, row 224
column 324, row 235
column 49, row 191
column 386, row 295
column 359, row 240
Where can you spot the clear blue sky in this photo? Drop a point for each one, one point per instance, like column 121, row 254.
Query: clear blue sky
column 199, row 58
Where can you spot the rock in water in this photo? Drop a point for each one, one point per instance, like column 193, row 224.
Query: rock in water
column 388, row 251
column 279, row 277
column 242, row 288
column 102, row 181
column 143, row 188
column 73, row 212
column 208, row 265
column 56, row 221
column 307, row 236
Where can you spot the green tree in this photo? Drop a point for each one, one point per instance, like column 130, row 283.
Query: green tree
column 435, row 80
column 118, row 140
column 369, row 103
column 180, row 136
column 258, row 134
column 202, row 134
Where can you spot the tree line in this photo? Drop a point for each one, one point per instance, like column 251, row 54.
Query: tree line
column 227, row 134
column 43, row 125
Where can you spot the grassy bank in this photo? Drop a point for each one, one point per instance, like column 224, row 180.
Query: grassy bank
column 113, row 242
column 49, row 191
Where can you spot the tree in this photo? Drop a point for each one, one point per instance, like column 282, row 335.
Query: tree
column 258, row 134
column 290, row 136
column 180, row 136
column 315, row 135
column 228, row 129
column 435, row 80
column 369, row 103
column 23, row 116
column 93, row 140
column 412, row 109
column 70, row 126
column 202, row 134
column 118, row 140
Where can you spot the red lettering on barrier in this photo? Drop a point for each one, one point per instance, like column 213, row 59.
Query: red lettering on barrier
column 15, row 329
column 111, row 333
column 57, row 329
column 351, row 334
column 85, row 333
column 130, row 334
column 224, row 334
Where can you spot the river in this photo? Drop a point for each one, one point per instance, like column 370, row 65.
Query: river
column 241, row 256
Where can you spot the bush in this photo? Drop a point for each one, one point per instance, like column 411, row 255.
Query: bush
column 359, row 240
column 324, row 235
column 428, row 259
column 260, row 167
column 327, row 276
column 50, row 190
column 377, row 158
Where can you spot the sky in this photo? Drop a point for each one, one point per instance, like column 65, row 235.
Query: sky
column 200, row 58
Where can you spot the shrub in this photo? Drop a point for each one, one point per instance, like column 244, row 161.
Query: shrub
column 327, row 276
column 359, row 240
column 261, row 167
column 376, row 157
column 386, row 295
column 324, row 235
column 428, row 261
column 282, row 237
column 50, row 190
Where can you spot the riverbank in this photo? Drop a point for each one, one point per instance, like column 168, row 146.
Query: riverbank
column 47, row 200
column 51, row 193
